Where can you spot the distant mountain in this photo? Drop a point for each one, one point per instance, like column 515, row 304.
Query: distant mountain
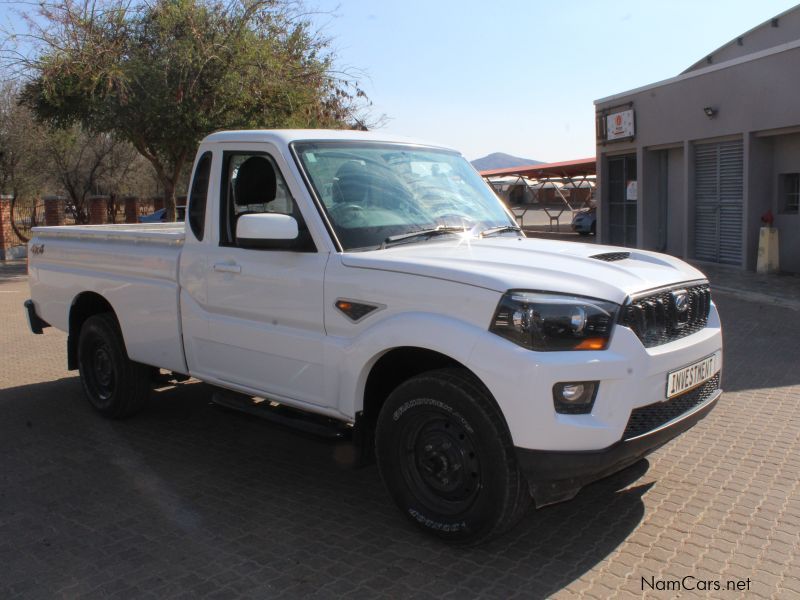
column 499, row 160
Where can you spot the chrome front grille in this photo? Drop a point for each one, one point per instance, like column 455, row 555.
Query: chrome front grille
column 669, row 314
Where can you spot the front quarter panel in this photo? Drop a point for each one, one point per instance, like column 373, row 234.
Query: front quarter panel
column 423, row 312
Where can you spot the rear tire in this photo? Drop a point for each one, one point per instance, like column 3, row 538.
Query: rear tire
column 115, row 386
column 446, row 457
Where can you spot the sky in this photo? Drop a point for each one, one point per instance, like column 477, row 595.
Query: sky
column 516, row 76
column 521, row 77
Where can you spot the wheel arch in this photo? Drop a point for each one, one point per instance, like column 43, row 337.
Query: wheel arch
column 388, row 370
column 84, row 305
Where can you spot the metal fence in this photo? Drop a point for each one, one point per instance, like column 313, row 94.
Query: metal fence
column 25, row 216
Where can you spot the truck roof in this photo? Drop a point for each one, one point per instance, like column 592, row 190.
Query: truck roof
column 286, row 136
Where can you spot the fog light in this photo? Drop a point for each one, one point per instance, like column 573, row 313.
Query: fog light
column 572, row 392
column 574, row 397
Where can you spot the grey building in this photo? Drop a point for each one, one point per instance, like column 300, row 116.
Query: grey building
column 689, row 165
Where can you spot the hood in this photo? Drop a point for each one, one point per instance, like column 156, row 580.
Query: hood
column 504, row 263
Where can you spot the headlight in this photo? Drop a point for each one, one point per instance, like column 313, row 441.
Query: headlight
column 541, row 321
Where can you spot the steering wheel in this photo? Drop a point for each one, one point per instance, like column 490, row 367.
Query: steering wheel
column 347, row 214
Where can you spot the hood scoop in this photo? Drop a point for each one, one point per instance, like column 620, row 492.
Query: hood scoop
column 612, row 256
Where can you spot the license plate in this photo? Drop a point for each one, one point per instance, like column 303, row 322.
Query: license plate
column 690, row 377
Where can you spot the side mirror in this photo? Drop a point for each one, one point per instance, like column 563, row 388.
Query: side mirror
column 264, row 229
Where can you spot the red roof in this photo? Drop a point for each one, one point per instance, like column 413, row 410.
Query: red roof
column 567, row 168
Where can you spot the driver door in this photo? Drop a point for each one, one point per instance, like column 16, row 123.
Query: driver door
column 265, row 306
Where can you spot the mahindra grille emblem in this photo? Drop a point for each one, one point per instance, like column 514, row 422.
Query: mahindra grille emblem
column 680, row 300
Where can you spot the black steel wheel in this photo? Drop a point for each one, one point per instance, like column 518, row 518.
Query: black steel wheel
column 115, row 386
column 440, row 460
column 446, row 457
column 100, row 372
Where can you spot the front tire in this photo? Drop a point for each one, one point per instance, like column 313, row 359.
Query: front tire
column 115, row 386
column 446, row 458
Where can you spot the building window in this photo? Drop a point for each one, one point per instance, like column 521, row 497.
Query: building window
column 790, row 192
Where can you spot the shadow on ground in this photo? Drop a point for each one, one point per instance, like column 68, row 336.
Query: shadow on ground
column 189, row 498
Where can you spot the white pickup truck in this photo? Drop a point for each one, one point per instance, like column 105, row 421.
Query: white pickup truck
column 377, row 285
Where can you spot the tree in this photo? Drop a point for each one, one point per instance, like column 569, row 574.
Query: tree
column 83, row 164
column 23, row 165
column 164, row 74
column 36, row 160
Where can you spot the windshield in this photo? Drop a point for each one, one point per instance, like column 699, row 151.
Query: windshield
column 372, row 192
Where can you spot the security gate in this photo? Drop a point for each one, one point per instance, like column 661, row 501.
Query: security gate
column 718, row 183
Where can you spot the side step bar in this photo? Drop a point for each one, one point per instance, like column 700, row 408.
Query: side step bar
column 283, row 415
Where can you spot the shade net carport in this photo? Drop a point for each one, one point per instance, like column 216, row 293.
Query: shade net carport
column 552, row 189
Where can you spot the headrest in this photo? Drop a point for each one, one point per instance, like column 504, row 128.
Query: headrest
column 256, row 182
column 351, row 183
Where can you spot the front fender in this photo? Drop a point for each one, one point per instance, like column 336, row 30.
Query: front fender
column 353, row 358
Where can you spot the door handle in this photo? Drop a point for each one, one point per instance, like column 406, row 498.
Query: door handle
column 227, row 268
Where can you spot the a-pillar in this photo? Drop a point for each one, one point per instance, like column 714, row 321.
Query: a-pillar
column 98, row 210
column 54, row 210
column 131, row 209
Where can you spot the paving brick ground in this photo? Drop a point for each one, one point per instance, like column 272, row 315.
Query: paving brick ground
column 187, row 500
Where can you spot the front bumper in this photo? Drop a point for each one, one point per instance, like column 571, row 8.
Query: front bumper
column 558, row 476
column 631, row 377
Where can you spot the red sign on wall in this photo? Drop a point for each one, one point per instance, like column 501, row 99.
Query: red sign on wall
column 620, row 125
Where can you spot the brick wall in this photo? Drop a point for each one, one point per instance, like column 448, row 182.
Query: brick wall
column 131, row 209
column 54, row 210
column 7, row 236
column 98, row 210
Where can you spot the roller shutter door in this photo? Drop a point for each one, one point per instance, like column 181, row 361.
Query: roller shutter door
column 718, row 202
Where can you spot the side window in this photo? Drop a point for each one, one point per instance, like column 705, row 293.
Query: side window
column 252, row 183
column 198, row 196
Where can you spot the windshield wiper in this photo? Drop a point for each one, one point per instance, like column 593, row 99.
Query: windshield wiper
column 422, row 233
column 500, row 229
